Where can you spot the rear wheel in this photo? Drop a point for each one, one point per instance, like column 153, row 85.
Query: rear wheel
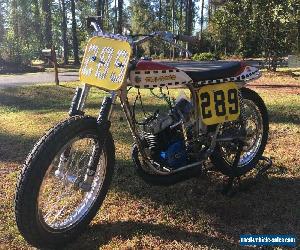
column 256, row 128
column 57, row 196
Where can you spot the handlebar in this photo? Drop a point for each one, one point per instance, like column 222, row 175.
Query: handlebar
column 94, row 22
column 188, row 39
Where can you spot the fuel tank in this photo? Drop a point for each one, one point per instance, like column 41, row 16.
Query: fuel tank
column 149, row 74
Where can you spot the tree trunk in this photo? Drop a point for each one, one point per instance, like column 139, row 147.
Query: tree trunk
column 64, row 32
column 74, row 34
column 55, row 65
column 15, row 18
column 202, row 19
column 100, row 8
column 120, row 14
column 186, row 16
column 159, row 15
column 115, row 17
column 106, row 14
column 37, row 22
column 298, row 36
column 46, row 7
column 189, row 17
column 2, row 30
column 15, row 51
column 180, row 17
column 173, row 26
column 209, row 10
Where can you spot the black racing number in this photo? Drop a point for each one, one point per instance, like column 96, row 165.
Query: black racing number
column 220, row 106
column 233, row 101
column 205, row 104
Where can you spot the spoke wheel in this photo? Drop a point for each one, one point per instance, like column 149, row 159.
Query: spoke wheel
column 58, row 194
column 62, row 202
column 256, row 127
column 253, row 140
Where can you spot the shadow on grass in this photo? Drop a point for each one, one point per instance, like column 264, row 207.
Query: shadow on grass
column 278, row 114
column 269, row 206
column 276, row 86
column 52, row 98
column 58, row 98
column 36, row 98
column 14, row 148
column 266, row 205
column 103, row 233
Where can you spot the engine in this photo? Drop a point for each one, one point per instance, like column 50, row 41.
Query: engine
column 163, row 135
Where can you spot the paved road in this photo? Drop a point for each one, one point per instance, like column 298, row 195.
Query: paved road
column 35, row 78
column 45, row 77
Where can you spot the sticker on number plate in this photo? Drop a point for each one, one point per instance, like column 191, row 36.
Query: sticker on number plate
column 219, row 103
column 105, row 63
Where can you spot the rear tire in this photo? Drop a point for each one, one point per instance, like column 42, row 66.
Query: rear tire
column 31, row 224
column 218, row 158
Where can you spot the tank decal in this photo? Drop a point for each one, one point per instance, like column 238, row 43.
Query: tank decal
column 159, row 78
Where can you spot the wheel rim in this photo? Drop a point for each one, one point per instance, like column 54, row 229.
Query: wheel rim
column 61, row 201
column 254, row 134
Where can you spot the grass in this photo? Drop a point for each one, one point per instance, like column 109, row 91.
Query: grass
column 138, row 216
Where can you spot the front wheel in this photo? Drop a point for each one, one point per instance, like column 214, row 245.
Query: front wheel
column 256, row 125
column 58, row 194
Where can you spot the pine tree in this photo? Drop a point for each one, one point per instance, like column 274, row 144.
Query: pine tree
column 64, row 31
column 2, row 29
column 120, row 16
column 74, row 34
column 37, row 22
column 47, row 20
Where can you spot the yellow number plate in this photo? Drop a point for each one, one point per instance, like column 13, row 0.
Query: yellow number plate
column 219, row 103
column 105, row 63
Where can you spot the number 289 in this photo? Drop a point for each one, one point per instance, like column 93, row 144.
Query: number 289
column 217, row 102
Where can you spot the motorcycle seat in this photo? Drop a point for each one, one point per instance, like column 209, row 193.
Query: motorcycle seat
column 209, row 70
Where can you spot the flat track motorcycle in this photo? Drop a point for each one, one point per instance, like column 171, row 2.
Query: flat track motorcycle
column 66, row 176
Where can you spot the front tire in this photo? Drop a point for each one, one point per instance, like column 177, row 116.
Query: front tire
column 257, row 114
column 51, row 206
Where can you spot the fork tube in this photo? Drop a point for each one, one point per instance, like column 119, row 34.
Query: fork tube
column 113, row 96
column 83, row 97
column 106, row 108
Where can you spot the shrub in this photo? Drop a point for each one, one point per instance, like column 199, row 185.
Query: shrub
column 206, row 56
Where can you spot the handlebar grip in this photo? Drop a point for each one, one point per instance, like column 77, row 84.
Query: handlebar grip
column 189, row 39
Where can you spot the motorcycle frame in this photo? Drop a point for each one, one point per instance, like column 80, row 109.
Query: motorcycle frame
column 199, row 127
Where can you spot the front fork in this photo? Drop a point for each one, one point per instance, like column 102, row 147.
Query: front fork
column 103, row 121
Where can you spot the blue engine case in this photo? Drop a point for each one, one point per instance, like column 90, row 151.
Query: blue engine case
column 175, row 156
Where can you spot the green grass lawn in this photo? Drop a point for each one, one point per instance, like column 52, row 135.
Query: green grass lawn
column 135, row 215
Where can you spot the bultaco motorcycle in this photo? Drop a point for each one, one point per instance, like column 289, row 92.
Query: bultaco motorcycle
column 66, row 176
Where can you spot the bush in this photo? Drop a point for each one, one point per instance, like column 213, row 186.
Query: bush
column 207, row 56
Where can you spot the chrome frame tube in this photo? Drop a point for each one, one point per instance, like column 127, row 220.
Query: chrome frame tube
column 200, row 126
column 127, row 111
